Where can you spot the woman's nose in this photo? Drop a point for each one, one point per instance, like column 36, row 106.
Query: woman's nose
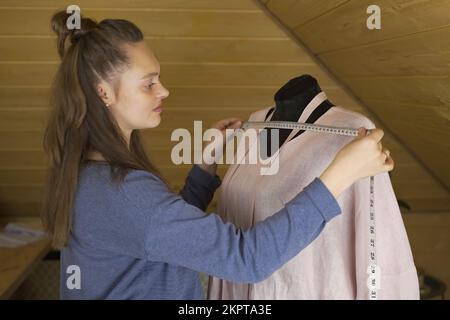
column 164, row 93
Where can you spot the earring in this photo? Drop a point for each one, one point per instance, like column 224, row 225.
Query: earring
column 107, row 105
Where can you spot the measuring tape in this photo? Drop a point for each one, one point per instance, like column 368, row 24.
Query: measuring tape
column 373, row 270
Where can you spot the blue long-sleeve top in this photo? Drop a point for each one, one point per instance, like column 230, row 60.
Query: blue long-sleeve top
column 139, row 240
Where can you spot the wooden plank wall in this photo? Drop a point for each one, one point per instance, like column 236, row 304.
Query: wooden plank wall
column 401, row 74
column 218, row 59
column 228, row 58
column 429, row 236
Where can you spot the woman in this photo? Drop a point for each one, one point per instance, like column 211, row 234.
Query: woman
column 122, row 233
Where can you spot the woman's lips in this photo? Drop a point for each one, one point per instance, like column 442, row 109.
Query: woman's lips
column 158, row 108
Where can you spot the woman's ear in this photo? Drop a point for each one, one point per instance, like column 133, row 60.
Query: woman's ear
column 106, row 93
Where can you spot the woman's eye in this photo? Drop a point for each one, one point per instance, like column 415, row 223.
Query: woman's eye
column 149, row 85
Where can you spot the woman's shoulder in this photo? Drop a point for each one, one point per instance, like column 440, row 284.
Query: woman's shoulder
column 99, row 177
column 135, row 175
column 144, row 189
column 114, row 216
column 138, row 190
column 103, row 168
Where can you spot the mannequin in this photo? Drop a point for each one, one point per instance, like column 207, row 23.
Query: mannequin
column 291, row 101
column 333, row 266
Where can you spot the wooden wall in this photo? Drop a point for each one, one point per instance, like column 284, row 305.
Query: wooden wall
column 429, row 236
column 218, row 59
column 400, row 72
column 228, row 58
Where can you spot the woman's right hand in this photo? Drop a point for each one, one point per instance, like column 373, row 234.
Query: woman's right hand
column 362, row 157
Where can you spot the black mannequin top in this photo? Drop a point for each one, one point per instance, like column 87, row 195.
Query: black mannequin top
column 290, row 102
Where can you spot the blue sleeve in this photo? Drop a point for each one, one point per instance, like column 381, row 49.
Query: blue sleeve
column 178, row 233
column 199, row 187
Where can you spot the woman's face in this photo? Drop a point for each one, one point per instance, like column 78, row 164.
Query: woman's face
column 138, row 104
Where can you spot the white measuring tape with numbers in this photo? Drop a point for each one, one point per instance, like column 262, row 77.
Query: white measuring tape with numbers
column 373, row 270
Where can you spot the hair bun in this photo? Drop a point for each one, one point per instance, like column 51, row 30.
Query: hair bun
column 87, row 25
column 59, row 26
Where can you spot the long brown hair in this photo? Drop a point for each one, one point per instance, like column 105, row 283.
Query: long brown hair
column 79, row 120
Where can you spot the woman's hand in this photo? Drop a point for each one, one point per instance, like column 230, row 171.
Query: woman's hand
column 228, row 123
column 222, row 126
column 363, row 157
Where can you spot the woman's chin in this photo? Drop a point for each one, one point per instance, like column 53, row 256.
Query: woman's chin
column 154, row 122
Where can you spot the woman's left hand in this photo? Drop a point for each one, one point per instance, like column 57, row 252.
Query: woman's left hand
column 222, row 126
column 228, row 123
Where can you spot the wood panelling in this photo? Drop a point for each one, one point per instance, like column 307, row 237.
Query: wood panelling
column 179, row 73
column 15, row 119
column 345, row 27
column 186, row 49
column 186, row 96
column 218, row 59
column 425, row 131
column 417, row 54
column 400, row 72
column 181, row 23
column 228, row 58
column 296, row 13
column 418, row 90
column 429, row 235
column 137, row 4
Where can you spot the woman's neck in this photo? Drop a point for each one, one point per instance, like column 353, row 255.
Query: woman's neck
column 95, row 156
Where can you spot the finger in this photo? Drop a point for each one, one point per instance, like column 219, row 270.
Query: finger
column 362, row 132
column 380, row 146
column 386, row 154
column 229, row 121
column 376, row 134
column 235, row 125
column 389, row 164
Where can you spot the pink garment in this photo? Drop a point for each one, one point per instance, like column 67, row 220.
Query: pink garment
column 334, row 265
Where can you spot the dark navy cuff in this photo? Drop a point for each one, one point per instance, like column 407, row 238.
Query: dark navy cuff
column 323, row 199
column 203, row 178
